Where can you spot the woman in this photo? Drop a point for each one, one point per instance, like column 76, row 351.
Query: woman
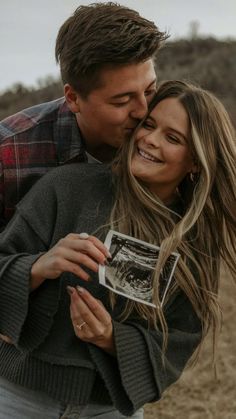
column 91, row 352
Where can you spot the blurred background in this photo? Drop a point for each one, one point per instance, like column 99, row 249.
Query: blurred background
column 201, row 48
column 28, row 29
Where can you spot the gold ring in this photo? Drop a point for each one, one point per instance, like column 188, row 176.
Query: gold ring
column 79, row 326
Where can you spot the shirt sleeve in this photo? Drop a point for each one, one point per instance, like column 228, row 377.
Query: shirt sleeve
column 140, row 374
column 25, row 316
column 2, row 220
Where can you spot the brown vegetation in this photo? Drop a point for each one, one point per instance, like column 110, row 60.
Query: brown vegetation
column 20, row 97
column 208, row 62
column 199, row 394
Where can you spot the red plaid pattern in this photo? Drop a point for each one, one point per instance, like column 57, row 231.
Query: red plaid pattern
column 31, row 143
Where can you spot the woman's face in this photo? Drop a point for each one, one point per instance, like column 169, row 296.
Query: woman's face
column 162, row 156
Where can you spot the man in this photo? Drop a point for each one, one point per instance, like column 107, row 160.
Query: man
column 105, row 53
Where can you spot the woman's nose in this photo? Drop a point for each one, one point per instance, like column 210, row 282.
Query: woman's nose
column 153, row 138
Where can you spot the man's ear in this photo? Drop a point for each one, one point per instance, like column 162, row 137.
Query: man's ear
column 72, row 98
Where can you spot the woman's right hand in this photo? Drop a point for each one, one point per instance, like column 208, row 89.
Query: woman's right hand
column 6, row 339
column 67, row 256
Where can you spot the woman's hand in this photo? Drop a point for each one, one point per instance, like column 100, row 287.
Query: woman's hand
column 67, row 256
column 91, row 321
column 6, row 339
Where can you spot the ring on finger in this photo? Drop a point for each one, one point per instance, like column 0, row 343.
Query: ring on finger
column 79, row 326
column 83, row 236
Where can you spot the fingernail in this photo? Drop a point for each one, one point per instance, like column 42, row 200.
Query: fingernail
column 70, row 290
column 80, row 290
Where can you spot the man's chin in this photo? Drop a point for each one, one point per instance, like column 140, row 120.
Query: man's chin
column 128, row 133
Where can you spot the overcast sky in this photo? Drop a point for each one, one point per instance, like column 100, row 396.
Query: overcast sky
column 28, row 29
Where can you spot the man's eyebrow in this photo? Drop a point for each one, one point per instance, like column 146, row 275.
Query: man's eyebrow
column 119, row 95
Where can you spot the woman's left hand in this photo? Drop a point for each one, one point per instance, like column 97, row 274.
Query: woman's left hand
column 91, row 321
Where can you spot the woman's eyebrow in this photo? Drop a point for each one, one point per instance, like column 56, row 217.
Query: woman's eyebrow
column 178, row 132
column 151, row 118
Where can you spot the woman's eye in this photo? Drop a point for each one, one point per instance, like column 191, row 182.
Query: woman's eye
column 147, row 125
column 173, row 139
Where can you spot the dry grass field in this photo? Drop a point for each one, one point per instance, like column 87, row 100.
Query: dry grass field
column 198, row 395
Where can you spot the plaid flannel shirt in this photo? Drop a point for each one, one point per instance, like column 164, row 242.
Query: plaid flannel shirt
column 31, row 143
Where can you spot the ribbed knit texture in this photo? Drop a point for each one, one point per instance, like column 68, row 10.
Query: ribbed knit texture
column 68, row 384
column 46, row 354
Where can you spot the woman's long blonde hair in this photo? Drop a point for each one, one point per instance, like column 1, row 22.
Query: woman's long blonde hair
column 205, row 234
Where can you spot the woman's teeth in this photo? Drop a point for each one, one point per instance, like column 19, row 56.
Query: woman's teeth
column 146, row 155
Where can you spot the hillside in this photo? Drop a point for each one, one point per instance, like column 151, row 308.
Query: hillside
column 209, row 62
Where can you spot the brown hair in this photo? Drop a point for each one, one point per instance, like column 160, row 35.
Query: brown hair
column 205, row 235
column 103, row 35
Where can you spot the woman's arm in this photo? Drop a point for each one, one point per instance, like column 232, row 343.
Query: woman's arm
column 138, row 372
column 23, row 273
column 20, row 247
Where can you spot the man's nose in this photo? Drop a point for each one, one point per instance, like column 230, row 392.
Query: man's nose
column 140, row 108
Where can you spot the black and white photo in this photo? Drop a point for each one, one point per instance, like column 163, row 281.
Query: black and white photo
column 130, row 272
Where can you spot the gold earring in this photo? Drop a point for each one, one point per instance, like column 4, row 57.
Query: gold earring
column 191, row 176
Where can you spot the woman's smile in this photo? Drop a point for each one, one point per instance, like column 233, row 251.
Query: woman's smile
column 147, row 156
column 162, row 156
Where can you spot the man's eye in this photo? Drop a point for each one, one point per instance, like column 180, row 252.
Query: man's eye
column 150, row 92
column 120, row 104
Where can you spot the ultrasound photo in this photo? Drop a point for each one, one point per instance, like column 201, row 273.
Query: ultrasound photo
column 130, row 271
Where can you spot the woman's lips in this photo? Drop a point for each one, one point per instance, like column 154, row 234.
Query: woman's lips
column 147, row 156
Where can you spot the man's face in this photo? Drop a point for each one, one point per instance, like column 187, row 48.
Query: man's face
column 111, row 112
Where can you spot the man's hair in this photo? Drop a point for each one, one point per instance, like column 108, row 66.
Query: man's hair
column 103, row 35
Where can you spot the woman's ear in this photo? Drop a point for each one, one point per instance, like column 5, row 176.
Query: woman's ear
column 72, row 98
column 195, row 165
column 195, row 168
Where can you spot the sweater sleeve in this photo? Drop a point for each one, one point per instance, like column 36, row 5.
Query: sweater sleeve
column 139, row 374
column 25, row 316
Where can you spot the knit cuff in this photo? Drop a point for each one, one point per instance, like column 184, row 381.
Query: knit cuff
column 26, row 317
column 14, row 295
column 135, row 365
column 128, row 377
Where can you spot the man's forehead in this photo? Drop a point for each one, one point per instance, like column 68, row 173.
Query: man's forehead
column 132, row 92
column 125, row 80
